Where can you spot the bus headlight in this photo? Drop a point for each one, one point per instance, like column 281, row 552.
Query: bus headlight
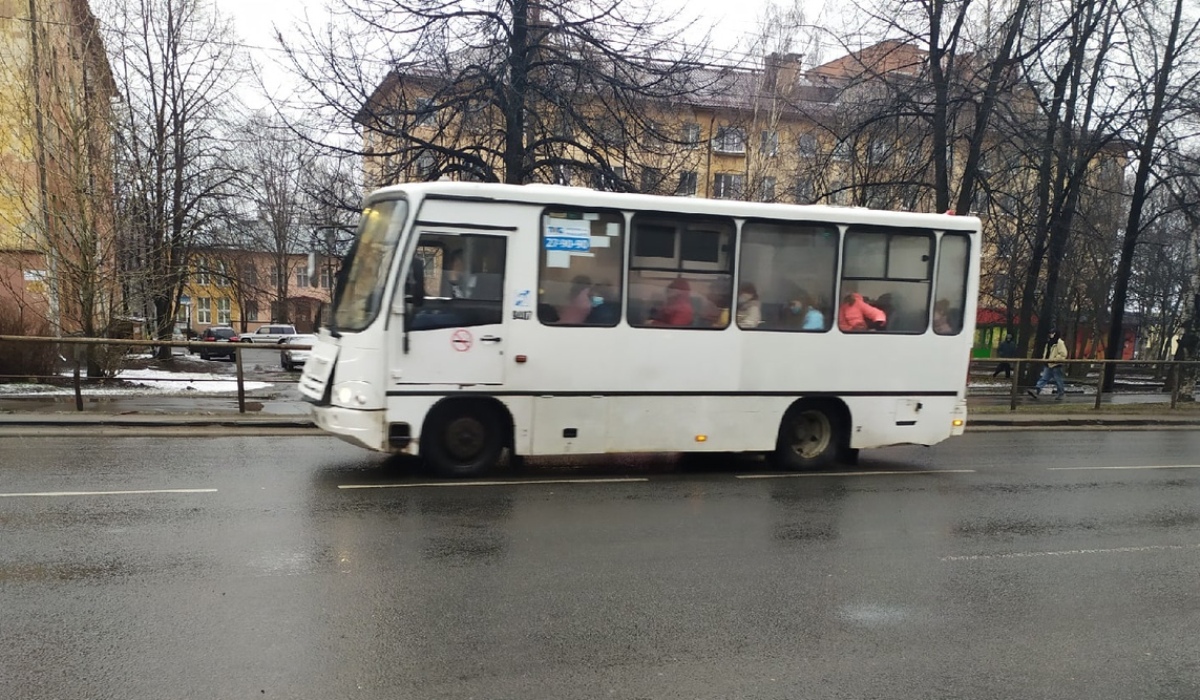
column 354, row 395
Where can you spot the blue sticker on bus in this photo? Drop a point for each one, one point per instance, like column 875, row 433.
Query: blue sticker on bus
column 573, row 243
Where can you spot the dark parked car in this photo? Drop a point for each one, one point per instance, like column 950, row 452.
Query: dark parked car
column 215, row 334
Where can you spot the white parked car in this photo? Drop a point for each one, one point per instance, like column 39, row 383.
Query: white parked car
column 270, row 334
column 290, row 358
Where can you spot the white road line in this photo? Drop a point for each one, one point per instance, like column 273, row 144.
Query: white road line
column 875, row 473
column 1151, row 466
column 47, row 494
column 1070, row 552
column 493, row 483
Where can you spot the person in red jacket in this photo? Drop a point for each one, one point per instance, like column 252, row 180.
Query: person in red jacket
column 678, row 310
column 857, row 315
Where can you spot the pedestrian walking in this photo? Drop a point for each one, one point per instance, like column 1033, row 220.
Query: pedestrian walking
column 1007, row 350
column 1054, row 351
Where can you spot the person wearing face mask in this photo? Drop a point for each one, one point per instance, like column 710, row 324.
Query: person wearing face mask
column 579, row 304
column 803, row 314
column 606, row 308
column 749, row 313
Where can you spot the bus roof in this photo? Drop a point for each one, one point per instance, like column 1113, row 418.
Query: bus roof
column 587, row 197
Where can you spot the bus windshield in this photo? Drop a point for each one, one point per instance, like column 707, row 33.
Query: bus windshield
column 360, row 290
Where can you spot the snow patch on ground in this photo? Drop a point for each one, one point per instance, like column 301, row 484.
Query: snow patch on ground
column 146, row 381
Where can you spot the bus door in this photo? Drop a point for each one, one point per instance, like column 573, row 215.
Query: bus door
column 456, row 331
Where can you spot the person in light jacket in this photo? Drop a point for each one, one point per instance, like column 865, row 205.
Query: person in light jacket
column 1055, row 351
column 857, row 315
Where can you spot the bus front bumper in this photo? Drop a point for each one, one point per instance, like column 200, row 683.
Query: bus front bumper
column 363, row 428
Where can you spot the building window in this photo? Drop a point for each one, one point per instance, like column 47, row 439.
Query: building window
column 222, row 275
column 841, row 150
column 223, row 312
column 766, row 189
column 878, row 152
column 250, row 310
column 426, row 112
column 802, row 191
column 730, row 139
column 651, row 179
column 687, row 184
column 202, row 277
column 609, row 183
column 327, row 277
column 652, row 135
column 203, row 310
column 770, row 144
column 728, row 185
column 426, row 165
column 302, row 277
column 806, row 146
column 579, row 281
column 691, row 135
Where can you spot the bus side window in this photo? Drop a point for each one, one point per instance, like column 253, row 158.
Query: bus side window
column 579, row 271
column 681, row 271
column 886, row 271
column 791, row 268
column 951, row 289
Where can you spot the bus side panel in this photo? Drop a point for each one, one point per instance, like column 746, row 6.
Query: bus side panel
column 694, row 423
column 879, row 421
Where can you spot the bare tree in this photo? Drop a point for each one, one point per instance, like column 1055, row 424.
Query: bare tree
column 504, row 90
column 1167, row 68
column 174, row 70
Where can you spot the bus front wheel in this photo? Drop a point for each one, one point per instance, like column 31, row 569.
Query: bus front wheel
column 810, row 437
column 462, row 439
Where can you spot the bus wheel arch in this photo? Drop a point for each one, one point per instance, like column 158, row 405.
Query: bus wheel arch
column 465, row 437
column 814, row 433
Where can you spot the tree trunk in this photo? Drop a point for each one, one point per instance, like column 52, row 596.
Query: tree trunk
column 1146, row 152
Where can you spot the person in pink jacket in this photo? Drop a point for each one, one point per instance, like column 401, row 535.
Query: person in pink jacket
column 857, row 315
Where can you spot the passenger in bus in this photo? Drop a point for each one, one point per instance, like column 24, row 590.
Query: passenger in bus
column 857, row 315
column 678, row 310
column 606, row 310
column 457, row 283
column 941, row 318
column 579, row 302
column 802, row 313
column 749, row 313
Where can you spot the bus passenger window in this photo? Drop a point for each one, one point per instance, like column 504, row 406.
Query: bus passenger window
column 886, row 280
column 579, row 276
column 680, row 271
column 791, row 267
column 951, row 284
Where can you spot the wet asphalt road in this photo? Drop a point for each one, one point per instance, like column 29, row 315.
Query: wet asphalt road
column 1009, row 581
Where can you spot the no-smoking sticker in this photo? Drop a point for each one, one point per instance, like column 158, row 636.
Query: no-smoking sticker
column 461, row 340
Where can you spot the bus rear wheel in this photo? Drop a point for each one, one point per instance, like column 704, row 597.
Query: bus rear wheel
column 462, row 440
column 810, row 437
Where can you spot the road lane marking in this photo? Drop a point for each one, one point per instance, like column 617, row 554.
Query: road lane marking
column 1071, row 552
column 1159, row 466
column 46, row 494
column 875, row 473
column 494, row 483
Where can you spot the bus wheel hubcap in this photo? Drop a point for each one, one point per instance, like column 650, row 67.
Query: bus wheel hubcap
column 812, row 434
column 465, row 437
